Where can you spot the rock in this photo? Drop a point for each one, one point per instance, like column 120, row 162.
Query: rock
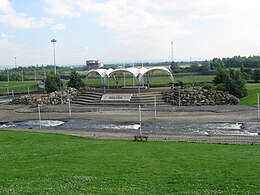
column 199, row 97
column 53, row 98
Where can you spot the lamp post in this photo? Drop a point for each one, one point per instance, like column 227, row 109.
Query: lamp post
column 53, row 41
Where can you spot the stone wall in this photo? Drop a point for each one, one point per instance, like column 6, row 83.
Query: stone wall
column 199, row 97
column 53, row 98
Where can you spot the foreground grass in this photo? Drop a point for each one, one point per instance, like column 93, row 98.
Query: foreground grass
column 251, row 98
column 35, row 163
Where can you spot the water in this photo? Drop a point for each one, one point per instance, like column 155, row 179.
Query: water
column 5, row 100
column 152, row 127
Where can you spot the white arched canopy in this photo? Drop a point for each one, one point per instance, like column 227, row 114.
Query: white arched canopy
column 136, row 72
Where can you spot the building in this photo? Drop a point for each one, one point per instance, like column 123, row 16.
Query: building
column 93, row 64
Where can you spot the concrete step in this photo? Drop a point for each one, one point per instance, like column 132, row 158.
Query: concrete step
column 119, row 103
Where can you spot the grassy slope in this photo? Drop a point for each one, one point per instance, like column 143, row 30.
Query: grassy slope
column 251, row 98
column 56, row 164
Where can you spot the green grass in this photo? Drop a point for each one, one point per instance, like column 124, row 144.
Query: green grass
column 38, row 163
column 154, row 81
column 17, row 86
column 251, row 98
column 195, row 79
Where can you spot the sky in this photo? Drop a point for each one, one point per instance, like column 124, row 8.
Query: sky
column 126, row 30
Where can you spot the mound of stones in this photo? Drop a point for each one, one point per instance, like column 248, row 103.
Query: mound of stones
column 54, row 98
column 199, row 97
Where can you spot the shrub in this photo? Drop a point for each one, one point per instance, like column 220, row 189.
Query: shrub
column 75, row 80
column 52, row 83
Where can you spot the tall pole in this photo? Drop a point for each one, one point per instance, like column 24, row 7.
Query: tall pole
column 15, row 62
column 179, row 97
column 8, row 76
column 35, row 74
column 140, row 120
column 39, row 112
column 22, row 75
column 133, row 75
column 257, row 107
column 69, row 109
column 155, row 114
column 124, row 74
column 172, row 57
column 54, row 62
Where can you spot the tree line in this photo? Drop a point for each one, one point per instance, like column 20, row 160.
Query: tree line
column 209, row 66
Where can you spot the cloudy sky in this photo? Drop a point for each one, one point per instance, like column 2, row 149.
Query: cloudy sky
column 126, row 30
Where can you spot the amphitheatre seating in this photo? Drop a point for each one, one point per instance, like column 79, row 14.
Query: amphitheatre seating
column 143, row 99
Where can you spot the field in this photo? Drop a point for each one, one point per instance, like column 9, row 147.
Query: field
column 17, row 86
column 251, row 98
column 162, row 81
column 38, row 163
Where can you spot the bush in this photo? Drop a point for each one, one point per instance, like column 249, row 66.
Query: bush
column 75, row 80
column 208, row 87
column 234, row 100
column 256, row 75
column 52, row 83
column 231, row 81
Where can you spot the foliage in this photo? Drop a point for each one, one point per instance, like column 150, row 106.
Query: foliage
column 208, row 86
column 256, row 75
column 222, row 76
column 236, row 85
column 175, row 68
column 242, row 62
column 59, row 164
column 205, row 67
column 52, row 83
column 232, row 81
column 216, row 63
column 75, row 80
column 247, row 73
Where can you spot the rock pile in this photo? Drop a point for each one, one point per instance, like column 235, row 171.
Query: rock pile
column 199, row 97
column 53, row 98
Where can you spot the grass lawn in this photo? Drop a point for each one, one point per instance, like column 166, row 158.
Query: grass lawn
column 195, row 78
column 154, row 81
column 251, row 98
column 17, row 86
column 38, row 163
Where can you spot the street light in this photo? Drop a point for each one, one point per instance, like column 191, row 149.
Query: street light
column 54, row 41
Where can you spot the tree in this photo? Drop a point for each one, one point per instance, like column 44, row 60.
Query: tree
column 52, row 83
column 175, row 68
column 256, row 75
column 205, row 67
column 236, row 85
column 216, row 63
column 231, row 81
column 222, row 76
column 75, row 80
column 247, row 73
